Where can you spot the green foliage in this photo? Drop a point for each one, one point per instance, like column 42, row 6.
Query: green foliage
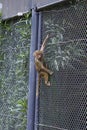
column 14, row 71
column 61, row 52
column 63, row 56
column 21, row 111
column 76, row 1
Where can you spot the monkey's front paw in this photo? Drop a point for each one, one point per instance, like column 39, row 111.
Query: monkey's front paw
column 51, row 72
column 48, row 84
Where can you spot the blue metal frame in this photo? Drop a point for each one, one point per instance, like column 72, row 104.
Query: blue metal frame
column 37, row 97
column 32, row 73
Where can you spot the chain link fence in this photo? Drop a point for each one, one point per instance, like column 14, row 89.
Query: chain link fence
column 14, row 70
column 62, row 106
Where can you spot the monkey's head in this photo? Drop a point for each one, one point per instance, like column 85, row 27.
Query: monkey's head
column 38, row 54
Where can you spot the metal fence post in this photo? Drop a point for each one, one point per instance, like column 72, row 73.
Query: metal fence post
column 32, row 73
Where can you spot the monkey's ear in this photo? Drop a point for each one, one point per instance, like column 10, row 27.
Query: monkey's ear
column 35, row 53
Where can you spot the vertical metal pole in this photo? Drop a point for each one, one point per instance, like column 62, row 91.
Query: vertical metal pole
column 32, row 73
column 37, row 97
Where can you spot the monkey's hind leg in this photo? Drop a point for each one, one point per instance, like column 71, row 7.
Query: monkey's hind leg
column 46, row 70
column 46, row 77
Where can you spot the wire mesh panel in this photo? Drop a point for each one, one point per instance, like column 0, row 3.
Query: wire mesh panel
column 62, row 106
column 14, row 64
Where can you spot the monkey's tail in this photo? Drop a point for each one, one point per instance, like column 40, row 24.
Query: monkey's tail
column 38, row 86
